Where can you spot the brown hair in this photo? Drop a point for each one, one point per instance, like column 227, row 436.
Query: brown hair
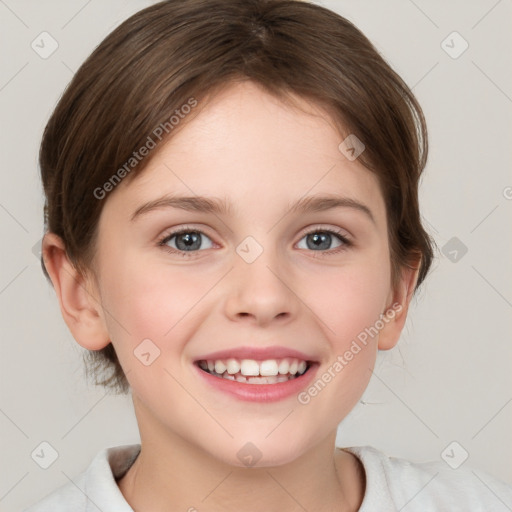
column 178, row 51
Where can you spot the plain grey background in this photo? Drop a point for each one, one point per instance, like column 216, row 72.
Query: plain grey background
column 449, row 379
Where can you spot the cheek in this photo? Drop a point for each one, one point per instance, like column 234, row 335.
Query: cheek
column 351, row 297
column 147, row 300
column 348, row 301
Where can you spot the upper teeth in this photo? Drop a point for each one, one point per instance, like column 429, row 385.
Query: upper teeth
column 251, row 367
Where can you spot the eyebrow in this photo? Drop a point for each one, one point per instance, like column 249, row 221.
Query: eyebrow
column 222, row 206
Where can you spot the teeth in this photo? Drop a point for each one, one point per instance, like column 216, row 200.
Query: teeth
column 284, row 367
column 249, row 367
column 220, row 367
column 268, row 368
column 233, row 366
column 257, row 380
column 251, row 371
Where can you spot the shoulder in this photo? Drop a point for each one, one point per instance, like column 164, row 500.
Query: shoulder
column 402, row 484
column 94, row 489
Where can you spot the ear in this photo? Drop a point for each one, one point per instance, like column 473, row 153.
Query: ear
column 395, row 314
column 78, row 298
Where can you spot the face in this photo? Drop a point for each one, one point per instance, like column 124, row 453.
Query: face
column 257, row 274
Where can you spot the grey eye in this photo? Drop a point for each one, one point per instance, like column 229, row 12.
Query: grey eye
column 187, row 241
column 321, row 240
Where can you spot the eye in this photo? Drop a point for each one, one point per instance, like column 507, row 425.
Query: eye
column 321, row 239
column 186, row 240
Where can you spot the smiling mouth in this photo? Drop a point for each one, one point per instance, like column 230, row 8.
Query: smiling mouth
column 250, row 371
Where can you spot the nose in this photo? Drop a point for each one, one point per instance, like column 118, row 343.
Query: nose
column 261, row 292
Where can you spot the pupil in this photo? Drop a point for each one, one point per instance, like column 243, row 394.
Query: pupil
column 319, row 241
column 191, row 241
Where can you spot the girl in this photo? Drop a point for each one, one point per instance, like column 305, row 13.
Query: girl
column 233, row 231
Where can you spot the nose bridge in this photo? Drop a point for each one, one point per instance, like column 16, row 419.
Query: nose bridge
column 258, row 285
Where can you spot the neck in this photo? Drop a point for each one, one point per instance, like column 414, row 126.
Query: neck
column 170, row 474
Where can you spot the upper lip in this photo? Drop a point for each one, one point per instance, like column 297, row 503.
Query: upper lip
column 257, row 353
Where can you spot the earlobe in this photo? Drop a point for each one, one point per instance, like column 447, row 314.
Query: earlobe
column 398, row 306
column 79, row 303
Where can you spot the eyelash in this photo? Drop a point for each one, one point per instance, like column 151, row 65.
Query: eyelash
column 346, row 243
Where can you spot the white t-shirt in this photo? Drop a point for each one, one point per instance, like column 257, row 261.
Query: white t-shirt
column 392, row 484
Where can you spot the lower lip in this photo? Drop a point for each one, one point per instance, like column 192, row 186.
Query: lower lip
column 260, row 392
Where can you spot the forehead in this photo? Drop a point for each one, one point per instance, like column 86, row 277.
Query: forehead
column 248, row 146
